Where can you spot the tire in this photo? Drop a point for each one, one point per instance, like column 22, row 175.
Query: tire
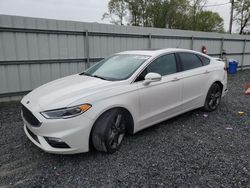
column 109, row 131
column 213, row 98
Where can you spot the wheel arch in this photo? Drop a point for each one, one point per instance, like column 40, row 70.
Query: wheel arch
column 214, row 79
column 219, row 83
column 205, row 106
column 129, row 118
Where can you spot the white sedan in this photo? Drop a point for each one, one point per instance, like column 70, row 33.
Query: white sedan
column 121, row 94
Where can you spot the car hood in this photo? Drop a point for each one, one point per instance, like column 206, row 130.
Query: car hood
column 62, row 92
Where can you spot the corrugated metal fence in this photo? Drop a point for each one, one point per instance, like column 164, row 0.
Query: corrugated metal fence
column 34, row 51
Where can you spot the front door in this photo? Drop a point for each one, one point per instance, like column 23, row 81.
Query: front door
column 162, row 99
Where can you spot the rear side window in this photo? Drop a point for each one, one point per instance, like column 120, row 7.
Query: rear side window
column 164, row 65
column 189, row 61
column 204, row 60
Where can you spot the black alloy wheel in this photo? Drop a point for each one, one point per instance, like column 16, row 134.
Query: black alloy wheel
column 213, row 97
column 109, row 131
column 117, row 131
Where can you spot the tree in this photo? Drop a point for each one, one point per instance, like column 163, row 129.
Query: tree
column 139, row 12
column 158, row 13
column 177, row 12
column 135, row 13
column 209, row 21
column 196, row 7
column 117, row 9
column 242, row 16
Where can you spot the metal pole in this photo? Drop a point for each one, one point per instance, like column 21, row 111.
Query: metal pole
column 149, row 41
column 87, row 47
column 243, row 54
column 221, row 48
column 231, row 17
column 192, row 42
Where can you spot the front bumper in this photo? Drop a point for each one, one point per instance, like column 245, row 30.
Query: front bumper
column 74, row 132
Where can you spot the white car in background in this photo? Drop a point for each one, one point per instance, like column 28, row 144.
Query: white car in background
column 122, row 94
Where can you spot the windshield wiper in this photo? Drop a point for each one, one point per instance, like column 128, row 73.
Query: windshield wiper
column 96, row 76
column 85, row 73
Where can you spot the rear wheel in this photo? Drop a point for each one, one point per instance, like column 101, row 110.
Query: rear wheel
column 213, row 97
column 109, row 131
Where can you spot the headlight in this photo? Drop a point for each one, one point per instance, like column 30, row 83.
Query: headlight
column 64, row 113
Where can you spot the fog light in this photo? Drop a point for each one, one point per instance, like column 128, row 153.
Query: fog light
column 56, row 142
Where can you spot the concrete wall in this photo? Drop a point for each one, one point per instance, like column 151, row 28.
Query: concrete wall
column 34, row 51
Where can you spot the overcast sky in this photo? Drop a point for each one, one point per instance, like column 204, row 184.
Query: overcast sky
column 79, row 10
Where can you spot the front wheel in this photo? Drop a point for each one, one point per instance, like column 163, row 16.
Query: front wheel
column 109, row 131
column 213, row 98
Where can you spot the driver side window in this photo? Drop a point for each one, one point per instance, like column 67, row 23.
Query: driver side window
column 163, row 65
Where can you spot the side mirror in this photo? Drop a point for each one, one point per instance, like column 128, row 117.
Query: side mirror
column 152, row 77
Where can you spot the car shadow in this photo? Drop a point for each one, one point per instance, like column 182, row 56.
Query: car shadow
column 169, row 124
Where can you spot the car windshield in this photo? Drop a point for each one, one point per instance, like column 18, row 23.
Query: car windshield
column 117, row 67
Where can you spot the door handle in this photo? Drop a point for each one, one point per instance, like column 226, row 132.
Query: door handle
column 206, row 72
column 175, row 79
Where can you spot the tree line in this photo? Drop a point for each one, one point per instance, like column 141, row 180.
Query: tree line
column 172, row 14
column 175, row 14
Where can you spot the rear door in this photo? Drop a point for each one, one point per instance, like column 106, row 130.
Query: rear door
column 194, row 76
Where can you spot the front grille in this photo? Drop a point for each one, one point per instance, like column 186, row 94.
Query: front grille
column 32, row 135
column 30, row 118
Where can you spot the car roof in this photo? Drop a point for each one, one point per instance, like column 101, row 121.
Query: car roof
column 154, row 52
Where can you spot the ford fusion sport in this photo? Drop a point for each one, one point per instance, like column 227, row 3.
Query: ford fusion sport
column 120, row 95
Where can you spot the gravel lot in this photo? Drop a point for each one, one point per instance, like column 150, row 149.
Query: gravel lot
column 196, row 149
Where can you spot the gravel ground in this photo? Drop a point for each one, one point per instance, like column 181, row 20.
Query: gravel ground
column 196, row 149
